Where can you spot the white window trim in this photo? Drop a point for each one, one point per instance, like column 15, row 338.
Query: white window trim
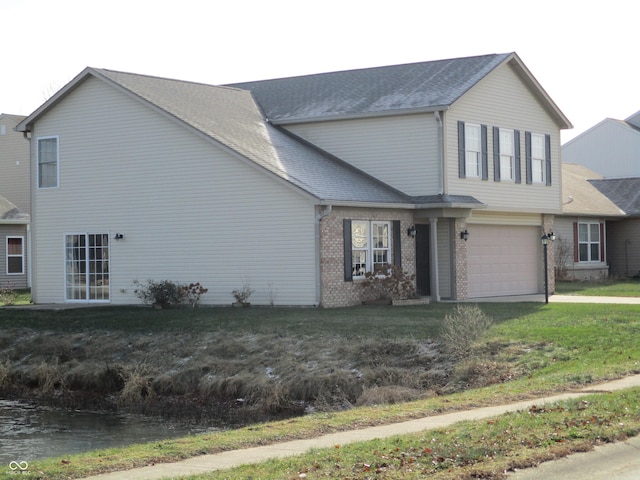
column 510, row 154
column 477, row 172
column 57, row 185
column 589, row 243
column 22, row 255
column 542, row 160
column 87, row 263
column 371, row 247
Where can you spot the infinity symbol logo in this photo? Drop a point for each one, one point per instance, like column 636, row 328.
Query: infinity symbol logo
column 18, row 466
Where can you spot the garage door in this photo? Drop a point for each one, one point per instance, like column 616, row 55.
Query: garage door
column 503, row 260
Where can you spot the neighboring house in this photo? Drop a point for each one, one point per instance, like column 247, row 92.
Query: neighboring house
column 297, row 186
column 623, row 237
column 582, row 251
column 15, row 204
column 611, row 148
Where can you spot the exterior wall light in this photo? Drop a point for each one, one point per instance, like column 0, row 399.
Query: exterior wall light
column 464, row 235
column 411, row 231
column 118, row 236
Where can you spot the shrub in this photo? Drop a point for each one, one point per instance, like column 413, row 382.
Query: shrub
column 390, row 281
column 242, row 294
column 191, row 293
column 463, row 327
column 159, row 294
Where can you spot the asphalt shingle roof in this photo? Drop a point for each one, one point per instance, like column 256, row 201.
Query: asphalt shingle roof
column 580, row 197
column 415, row 86
column 624, row 192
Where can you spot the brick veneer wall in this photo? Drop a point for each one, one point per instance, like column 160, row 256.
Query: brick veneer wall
column 461, row 283
column 335, row 291
column 547, row 227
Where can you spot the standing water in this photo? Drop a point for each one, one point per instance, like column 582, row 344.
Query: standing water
column 30, row 432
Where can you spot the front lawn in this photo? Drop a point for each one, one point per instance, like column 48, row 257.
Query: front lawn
column 532, row 349
column 602, row 288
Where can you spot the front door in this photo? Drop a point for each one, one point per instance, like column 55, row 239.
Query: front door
column 423, row 285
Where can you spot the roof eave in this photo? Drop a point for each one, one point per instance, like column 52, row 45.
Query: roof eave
column 385, row 113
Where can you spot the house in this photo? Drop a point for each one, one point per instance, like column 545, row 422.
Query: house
column 582, row 251
column 296, row 186
column 14, row 204
column 611, row 148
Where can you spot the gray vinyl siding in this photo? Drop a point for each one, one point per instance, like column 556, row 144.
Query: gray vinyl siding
column 13, row 281
column 611, row 149
column 402, row 151
column 189, row 210
column 502, row 100
column 14, row 166
column 623, row 247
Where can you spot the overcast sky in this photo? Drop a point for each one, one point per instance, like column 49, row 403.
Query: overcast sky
column 585, row 54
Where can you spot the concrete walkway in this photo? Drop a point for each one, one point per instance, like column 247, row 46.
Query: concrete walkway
column 219, row 461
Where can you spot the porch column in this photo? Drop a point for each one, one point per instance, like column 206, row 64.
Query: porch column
column 433, row 259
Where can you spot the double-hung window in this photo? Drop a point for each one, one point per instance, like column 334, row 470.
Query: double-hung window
column 473, row 150
column 370, row 246
column 15, row 255
column 48, row 165
column 589, row 242
column 538, row 158
column 507, row 154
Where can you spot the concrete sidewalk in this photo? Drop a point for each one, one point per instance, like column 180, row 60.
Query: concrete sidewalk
column 219, row 461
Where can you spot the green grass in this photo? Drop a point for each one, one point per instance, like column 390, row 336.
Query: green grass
column 548, row 348
column 604, row 288
column 8, row 296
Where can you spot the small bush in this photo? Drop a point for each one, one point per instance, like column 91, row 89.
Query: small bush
column 390, row 282
column 158, row 294
column 191, row 293
column 242, row 294
column 464, row 327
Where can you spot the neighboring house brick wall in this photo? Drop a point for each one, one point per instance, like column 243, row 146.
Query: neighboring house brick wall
column 336, row 292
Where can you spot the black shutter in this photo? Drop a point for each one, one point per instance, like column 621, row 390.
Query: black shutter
column 348, row 266
column 397, row 250
column 462, row 172
column 527, row 149
column 547, row 157
column 496, row 154
column 485, row 157
column 517, row 175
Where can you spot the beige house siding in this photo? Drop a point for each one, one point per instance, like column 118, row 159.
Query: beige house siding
column 402, row 151
column 14, row 165
column 336, row 292
column 179, row 207
column 502, row 100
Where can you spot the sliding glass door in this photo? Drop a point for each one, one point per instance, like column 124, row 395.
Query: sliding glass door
column 87, row 267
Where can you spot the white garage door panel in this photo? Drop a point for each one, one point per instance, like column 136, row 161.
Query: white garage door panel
column 502, row 260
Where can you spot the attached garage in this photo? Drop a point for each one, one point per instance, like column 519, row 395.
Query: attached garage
column 503, row 260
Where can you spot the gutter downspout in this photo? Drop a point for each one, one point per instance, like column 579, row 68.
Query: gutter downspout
column 322, row 212
column 441, row 161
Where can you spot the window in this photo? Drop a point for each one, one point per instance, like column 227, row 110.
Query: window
column 473, row 150
column 507, row 154
column 48, row 162
column 87, row 267
column 538, row 158
column 589, row 242
column 15, row 255
column 370, row 246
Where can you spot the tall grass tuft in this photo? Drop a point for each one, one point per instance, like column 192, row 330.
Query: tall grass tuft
column 462, row 328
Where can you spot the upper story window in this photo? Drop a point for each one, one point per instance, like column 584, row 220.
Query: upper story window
column 15, row 255
column 48, row 164
column 473, row 150
column 538, row 162
column 507, row 154
column 370, row 246
column 589, row 242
